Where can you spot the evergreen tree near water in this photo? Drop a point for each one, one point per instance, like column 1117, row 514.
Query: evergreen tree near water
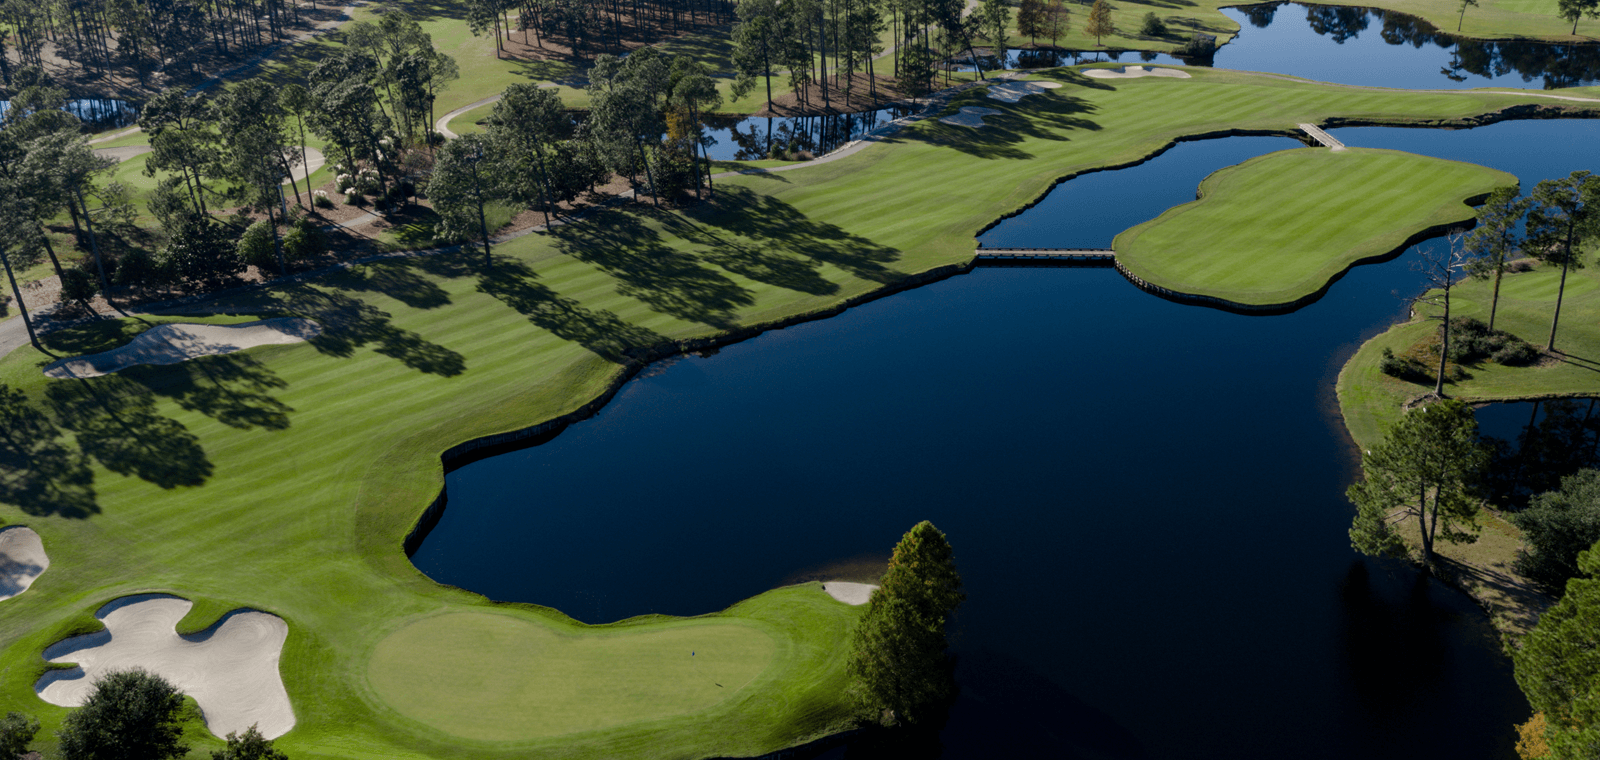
column 897, row 660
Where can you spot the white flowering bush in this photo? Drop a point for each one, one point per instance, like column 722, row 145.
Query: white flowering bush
column 320, row 199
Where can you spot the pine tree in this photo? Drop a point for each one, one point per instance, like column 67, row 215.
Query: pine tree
column 1099, row 23
column 1422, row 472
column 1031, row 20
column 897, row 657
column 1558, row 666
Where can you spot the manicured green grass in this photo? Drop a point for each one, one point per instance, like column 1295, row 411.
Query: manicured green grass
column 285, row 478
column 1279, row 227
column 1370, row 400
column 505, row 679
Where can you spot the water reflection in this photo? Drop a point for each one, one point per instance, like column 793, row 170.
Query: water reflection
column 97, row 113
column 741, row 138
column 1363, row 46
column 1536, row 444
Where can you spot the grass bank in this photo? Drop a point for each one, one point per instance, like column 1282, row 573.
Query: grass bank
column 1371, row 402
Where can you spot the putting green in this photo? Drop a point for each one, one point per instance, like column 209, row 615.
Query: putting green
column 1279, row 227
column 487, row 676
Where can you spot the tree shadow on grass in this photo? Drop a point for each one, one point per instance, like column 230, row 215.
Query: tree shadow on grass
column 40, row 474
column 1048, row 116
column 349, row 323
column 776, row 229
column 398, row 281
column 233, row 389
column 116, row 422
column 600, row 331
column 667, row 280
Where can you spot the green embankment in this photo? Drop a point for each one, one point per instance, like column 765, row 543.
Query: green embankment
column 1371, row 400
column 285, row 478
column 1279, row 227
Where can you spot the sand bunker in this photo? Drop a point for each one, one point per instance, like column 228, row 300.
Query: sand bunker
column 231, row 669
column 970, row 116
column 1011, row 92
column 22, row 560
column 849, row 593
column 1134, row 72
column 170, row 344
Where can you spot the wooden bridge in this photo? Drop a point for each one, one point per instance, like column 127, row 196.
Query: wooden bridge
column 1047, row 254
column 1322, row 137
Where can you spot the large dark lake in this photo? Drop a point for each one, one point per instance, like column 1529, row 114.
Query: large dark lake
column 1146, row 498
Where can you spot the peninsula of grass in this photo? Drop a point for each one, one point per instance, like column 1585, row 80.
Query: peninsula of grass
column 1280, row 227
column 1371, row 402
column 286, row 478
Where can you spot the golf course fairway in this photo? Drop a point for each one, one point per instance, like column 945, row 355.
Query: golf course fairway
column 1263, row 233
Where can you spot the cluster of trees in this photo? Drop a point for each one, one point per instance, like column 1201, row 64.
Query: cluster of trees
column 130, row 714
column 590, row 25
column 535, row 155
column 898, row 662
column 101, row 36
column 1553, row 225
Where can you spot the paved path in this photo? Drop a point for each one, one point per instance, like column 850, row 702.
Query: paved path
column 123, row 153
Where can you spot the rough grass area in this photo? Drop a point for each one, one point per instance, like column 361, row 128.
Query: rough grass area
column 1279, row 227
column 286, row 478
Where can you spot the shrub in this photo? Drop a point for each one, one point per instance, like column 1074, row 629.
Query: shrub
column 138, row 269
column 256, row 246
column 16, row 733
column 1202, row 46
column 304, row 241
column 1516, row 354
column 130, row 714
column 198, row 250
column 1471, row 341
column 1556, row 527
column 320, row 199
column 78, row 285
column 1153, row 26
column 1402, row 367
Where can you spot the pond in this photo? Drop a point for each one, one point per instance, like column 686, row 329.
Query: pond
column 98, row 112
column 1532, row 150
column 749, row 138
column 1146, row 501
column 1372, row 47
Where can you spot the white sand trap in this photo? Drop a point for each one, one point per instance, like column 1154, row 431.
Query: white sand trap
column 314, row 160
column 1134, row 72
column 170, row 344
column 230, row 669
column 22, row 560
column 1011, row 92
column 850, row 593
column 970, row 116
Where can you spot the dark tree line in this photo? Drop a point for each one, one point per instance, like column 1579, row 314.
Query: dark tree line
column 590, row 26
column 100, row 36
column 646, row 122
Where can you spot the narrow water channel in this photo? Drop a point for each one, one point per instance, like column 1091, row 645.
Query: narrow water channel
column 1146, row 500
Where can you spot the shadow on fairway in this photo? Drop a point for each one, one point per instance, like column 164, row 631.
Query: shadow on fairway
column 758, row 236
column 1047, row 116
column 667, row 280
column 598, row 330
column 349, row 323
column 39, row 473
column 115, row 421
